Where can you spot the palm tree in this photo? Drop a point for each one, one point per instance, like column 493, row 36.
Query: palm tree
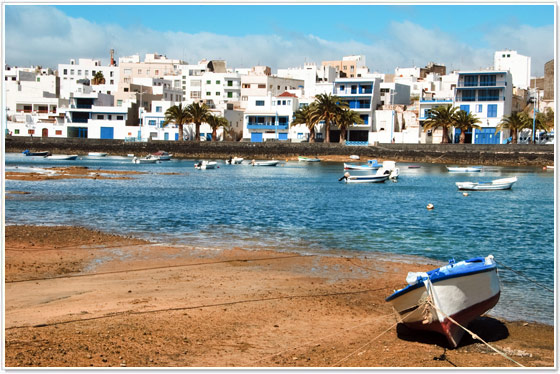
column 326, row 108
column 515, row 122
column 545, row 120
column 215, row 123
column 98, row 78
column 197, row 114
column 463, row 121
column 304, row 116
column 441, row 116
column 346, row 118
column 177, row 115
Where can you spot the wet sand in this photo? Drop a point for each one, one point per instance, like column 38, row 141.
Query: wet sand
column 82, row 298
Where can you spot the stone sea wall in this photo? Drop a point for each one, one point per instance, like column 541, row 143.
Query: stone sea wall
column 480, row 154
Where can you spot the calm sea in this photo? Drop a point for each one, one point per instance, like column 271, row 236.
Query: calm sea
column 302, row 207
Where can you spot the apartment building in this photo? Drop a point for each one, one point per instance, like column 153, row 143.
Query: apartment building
column 259, row 83
column 349, row 66
column 73, row 74
column 314, row 77
column 268, row 117
column 488, row 95
column 518, row 65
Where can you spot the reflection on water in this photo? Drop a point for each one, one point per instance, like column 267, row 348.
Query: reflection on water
column 302, row 207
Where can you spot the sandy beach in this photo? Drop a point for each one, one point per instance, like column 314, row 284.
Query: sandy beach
column 81, row 298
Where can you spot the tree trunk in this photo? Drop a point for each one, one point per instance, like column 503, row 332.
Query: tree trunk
column 445, row 136
column 342, row 139
column 197, row 132
column 214, row 135
column 513, row 136
column 312, row 136
column 462, row 137
column 181, row 136
column 327, row 131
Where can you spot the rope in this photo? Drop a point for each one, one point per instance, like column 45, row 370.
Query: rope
column 524, row 276
column 473, row 335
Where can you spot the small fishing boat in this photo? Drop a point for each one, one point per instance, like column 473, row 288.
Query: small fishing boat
column 497, row 184
column 61, row 157
column 145, row 160
column 413, row 166
column 234, row 160
column 464, row 169
column 550, row 167
column 354, row 157
column 203, row 165
column 162, row 155
column 265, row 163
column 371, row 165
column 458, row 292
column 308, row 159
column 41, row 153
column 371, row 178
column 97, row 154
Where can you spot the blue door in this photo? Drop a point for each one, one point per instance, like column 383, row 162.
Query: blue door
column 139, row 135
column 256, row 137
column 487, row 136
column 177, row 136
column 283, row 136
column 165, row 136
column 107, row 133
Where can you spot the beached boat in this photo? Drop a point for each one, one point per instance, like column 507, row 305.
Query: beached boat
column 370, row 178
column 497, row 184
column 371, row 165
column 550, row 167
column 61, row 157
column 265, row 163
column 464, row 169
column 234, row 160
column 27, row 152
column 145, row 160
column 203, row 165
column 308, row 159
column 97, row 154
column 354, row 157
column 458, row 292
column 162, row 155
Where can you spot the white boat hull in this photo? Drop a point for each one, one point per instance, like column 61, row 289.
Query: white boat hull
column 361, row 167
column 460, row 169
column 204, row 165
column 97, row 154
column 461, row 297
column 307, row 159
column 498, row 184
column 366, row 178
column 265, row 163
column 146, row 160
column 62, row 157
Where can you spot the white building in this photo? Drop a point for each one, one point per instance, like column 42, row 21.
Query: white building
column 314, row 77
column 488, row 95
column 363, row 96
column 518, row 65
column 86, row 69
column 269, row 117
column 394, row 94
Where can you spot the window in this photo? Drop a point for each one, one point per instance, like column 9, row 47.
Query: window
column 38, row 79
column 471, row 80
column 119, row 102
column 158, row 109
column 208, row 93
column 217, row 94
column 259, row 103
column 87, row 73
column 120, row 118
column 157, row 72
column 139, row 71
column 492, row 111
column 208, row 81
column 262, row 85
column 230, row 83
column 279, row 102
column 217, row 82
column 16, row 131
column 126, row 88
column 341, row 87
column 112, row 81
column 125, row 71
column 30, row 132
column 65, row 71
column 230, row 95
column 283, row 102
column 344, row 67
column 351, row 67
column 57, row 132
column 111, row 73
column 71, row 71
column 100, row 116
column 245, row 85
column 79, row 72
column 109, row 117
column 479, row 108
column 152, row 122
column 464, row 108
column 487, row 80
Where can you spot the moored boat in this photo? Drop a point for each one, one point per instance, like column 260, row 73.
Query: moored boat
column 145, row 160
column 464, row 169
column 308, row 159
column 97, row 154
column 371, row 165
column 61, row 157
column 370, row 178
column 497, row 184
column 162, row 155
column 27, row 152
column 457, row 292
column 203, row 165
column 234, row 160
column 265, row 163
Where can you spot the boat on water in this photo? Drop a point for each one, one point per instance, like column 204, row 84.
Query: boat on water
column 458, row 292
column 389, row 167
column 145, row 160
column 371, row 165
column 464, row 169
column 162, row 155
column 203, row 165
column 61, row 157
column 370, row 178
column 234, row 160
column 308, row 159
column 265, row 163
column 97, row 154
column 497, row 184
column 27, row 152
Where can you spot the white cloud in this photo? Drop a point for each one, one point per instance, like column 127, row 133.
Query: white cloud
column 43, row 35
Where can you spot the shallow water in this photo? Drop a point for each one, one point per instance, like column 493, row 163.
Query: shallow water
column 302, row 207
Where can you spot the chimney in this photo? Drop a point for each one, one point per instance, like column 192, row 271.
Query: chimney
column 112, row 63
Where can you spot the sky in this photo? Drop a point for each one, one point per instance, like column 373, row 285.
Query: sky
column 462, row 37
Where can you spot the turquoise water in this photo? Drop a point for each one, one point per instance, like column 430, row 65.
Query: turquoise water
column 302, row 207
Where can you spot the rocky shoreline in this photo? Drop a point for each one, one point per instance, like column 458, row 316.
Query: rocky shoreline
column 460, row 154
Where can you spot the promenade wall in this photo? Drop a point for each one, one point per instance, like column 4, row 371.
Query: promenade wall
column 480, row 154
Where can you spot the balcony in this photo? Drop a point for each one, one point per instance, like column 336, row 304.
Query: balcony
column 483, row 98
column 463, row 84
column 266, row 126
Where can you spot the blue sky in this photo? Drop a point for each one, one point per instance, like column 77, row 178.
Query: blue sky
column 460, row 36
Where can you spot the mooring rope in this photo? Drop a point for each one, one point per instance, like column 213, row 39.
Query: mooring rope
column 524, row 276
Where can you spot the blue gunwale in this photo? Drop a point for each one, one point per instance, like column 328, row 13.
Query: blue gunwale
column 435, row 276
